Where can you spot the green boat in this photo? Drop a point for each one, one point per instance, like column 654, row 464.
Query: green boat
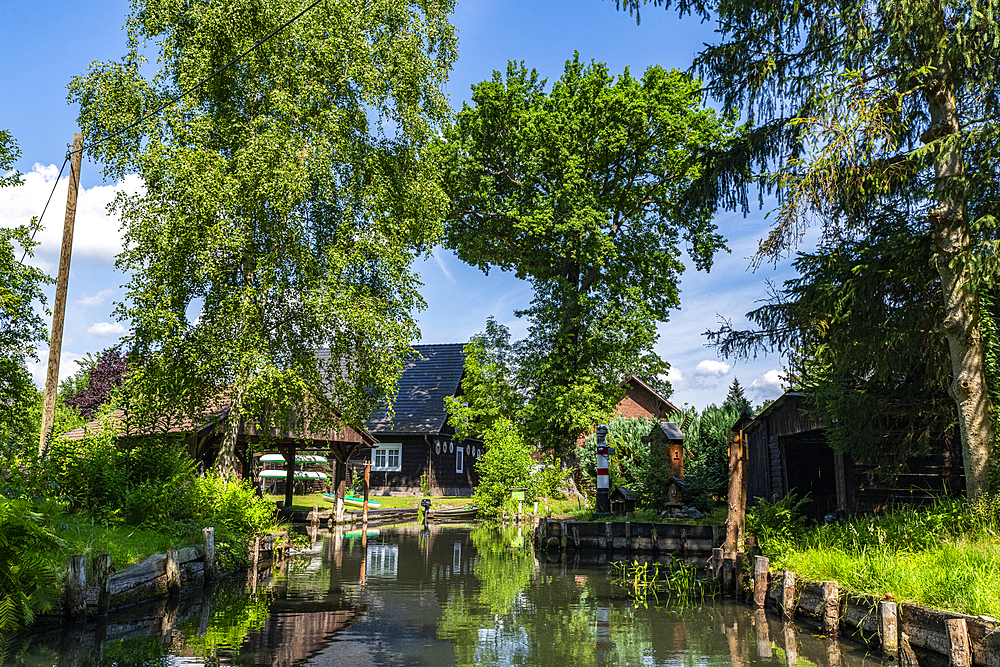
column 351, row 500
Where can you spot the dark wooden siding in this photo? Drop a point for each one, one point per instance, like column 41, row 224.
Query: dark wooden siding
column 417, row 458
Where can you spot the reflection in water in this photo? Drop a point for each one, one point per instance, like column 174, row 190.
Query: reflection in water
column 443, row 595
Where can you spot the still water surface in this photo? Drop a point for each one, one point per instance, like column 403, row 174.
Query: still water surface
column 447, row 595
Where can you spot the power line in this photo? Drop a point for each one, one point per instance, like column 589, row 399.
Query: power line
column 38, row 223
column 205, row 80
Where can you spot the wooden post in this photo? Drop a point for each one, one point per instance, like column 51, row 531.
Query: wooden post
column 887, row 610
column 609, row 541
column 208, row 538
column 760, row 571
column 562, row 536
column 173, row 573
column 741, row 574
column 729, row 574
column 831, row 608
column 341, row 484
column 788, row 596
column 958, row 636
column 364, row 509
column 717, row 563
column 76, row 588
column 59, row 306
column 628, row 535
column 289, row 455
column 102, row 577
column 840, row 476
column 763, row 634
column 833, row 654
column 256, row 550
column 737, row 496
column 315, row 515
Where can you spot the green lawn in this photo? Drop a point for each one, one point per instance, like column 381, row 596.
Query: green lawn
column 82, row 535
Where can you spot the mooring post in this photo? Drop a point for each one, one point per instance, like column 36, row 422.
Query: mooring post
column 761, row 567
column 887, row 611
column 173, row 573
column 788, row 595
column 102, row 577
column 208, row 547
column 831, row 608
column 717, row 563
column 729, row 574
column 76, row 588
column 958, row 636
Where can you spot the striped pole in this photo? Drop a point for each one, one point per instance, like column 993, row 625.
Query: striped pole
column 603, row 505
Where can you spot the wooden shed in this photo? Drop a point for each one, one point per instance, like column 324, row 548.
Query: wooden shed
column 787, row 451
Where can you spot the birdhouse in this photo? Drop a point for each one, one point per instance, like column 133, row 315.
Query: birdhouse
column 675, row 492
column 622, row 501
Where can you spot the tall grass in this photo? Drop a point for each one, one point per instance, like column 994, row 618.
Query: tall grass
column 946, row 555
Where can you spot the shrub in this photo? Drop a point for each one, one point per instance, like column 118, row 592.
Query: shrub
column 506, row 463
column 549, row 477
column 28, row 584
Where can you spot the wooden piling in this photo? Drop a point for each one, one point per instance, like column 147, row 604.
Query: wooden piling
column 887, row 611
column 76, row 588
column 717, row 563
column 761, row 567
column 562, row 536
column 628, row 535
column 173, row 573
column 314, row 517
column 959, row 651
column 729, row 574
column 740, row 575
column 102, row 577
column 609, row 541
column 831, row 608
column 788, row 595
column 791, row 645
column 208, row 549
column 256, row 550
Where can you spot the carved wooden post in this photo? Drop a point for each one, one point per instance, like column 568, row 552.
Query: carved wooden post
column 761, row 566
column 173, row 573
column 831, row 608
column 208, row 547
column 958, row 636
column 890, row 631
column 788, row 595
column 102, row 577
column 76, row 588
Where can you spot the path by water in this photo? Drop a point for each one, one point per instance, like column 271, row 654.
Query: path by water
column 447, row 595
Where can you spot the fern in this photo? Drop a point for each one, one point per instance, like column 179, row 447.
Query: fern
column 28, row 583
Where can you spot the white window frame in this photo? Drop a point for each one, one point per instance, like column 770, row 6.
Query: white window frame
column 460, row 459
column 389, row 450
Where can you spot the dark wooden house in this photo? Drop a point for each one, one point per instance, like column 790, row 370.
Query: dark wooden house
column 787, row 451
column 622, row 500
column 416, row 439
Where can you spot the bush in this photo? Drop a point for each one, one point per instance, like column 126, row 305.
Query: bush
column 28, row 583
column 506, row 463
column 549, row 477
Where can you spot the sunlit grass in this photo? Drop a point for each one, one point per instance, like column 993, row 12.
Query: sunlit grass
column 83, row 535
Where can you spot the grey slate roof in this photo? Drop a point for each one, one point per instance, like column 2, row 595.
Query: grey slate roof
column 430, row 375
column 671, row 430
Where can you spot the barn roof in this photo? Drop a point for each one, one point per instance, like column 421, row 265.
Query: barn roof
column 430, row 375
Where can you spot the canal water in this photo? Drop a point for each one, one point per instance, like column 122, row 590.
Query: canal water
column 447, row 595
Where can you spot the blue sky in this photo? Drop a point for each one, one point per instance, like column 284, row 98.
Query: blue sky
column 42, row 51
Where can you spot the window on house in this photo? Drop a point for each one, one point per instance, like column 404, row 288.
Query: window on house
column 388, row 457
column 459, row 459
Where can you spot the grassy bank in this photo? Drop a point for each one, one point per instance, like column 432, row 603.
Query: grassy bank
column 945, row 556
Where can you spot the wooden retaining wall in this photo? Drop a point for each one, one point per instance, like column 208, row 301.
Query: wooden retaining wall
column 860, row 616
column 626, row 536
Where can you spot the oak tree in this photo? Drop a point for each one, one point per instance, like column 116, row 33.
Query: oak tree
column 576, row 187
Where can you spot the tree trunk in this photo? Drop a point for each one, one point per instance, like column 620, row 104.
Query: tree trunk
column 225, row 464
column 961, row 323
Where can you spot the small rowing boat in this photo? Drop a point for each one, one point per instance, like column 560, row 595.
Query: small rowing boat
column 453, row 514
column 351, row 500
column 297, row 474
column 299, row 458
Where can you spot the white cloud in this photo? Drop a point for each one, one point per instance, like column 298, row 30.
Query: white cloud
column 674, row 376
column 440, row 262
column 711, row 368
column 96, row 235
column 106, row 329
column 96, row 300
column 38, row 369
column 767, row 385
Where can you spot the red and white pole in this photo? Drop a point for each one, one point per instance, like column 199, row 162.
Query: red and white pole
column 603, row 505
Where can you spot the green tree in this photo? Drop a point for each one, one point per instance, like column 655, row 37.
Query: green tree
column 873, row 110
column 506, row 463
column 284, row 200
column 736, row 396
column 21, row 325
column 577, row 189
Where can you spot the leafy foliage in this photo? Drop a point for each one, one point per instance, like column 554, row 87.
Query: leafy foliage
column 506, row 463
column 576, row 188
column 104, row 376
column 284, row 200
column 21, row 324
column 706, row 470
column 28, row 584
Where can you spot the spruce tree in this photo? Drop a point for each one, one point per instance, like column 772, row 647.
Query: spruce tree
column 736, row 397
column 863, row 110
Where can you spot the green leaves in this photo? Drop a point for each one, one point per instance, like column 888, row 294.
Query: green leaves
column 284, row 201
column 581, row 189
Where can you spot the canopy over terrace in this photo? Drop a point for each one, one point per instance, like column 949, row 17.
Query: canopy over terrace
column 203, row 438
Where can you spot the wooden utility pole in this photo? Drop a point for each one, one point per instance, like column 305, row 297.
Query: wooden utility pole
column 737, row 491
column 368, row 472
column 59, row 307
